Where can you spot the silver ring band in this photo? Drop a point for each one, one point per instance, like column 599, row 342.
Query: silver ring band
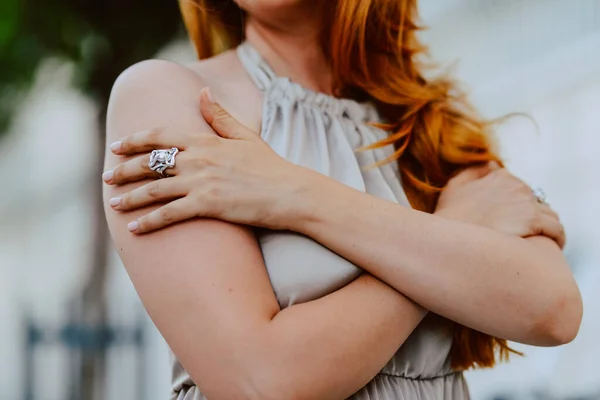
column 540, row 195
column 161, row 160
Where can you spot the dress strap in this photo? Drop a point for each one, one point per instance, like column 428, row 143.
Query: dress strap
column 255, row 66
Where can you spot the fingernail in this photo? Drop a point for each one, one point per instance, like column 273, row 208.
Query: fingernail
column 133, row 226
column 209, row 95
column 116, row 146
column 115, row 201
column 108, row 175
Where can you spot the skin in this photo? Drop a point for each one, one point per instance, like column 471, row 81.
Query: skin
column 209, row 277
column 237, row 343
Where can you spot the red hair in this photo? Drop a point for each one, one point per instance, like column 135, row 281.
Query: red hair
column 372, row 48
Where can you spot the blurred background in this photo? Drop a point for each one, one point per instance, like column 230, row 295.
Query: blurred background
column 71, row 326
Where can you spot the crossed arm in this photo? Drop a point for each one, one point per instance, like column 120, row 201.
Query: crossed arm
column 231, row 317
column 510, row 287
column 205, row 285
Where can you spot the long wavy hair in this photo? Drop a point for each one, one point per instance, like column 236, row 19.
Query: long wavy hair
column 374, row 53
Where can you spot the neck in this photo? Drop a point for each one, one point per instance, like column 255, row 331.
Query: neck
column 294, row 52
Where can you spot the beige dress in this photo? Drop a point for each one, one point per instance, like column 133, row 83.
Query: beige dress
column 321, row 132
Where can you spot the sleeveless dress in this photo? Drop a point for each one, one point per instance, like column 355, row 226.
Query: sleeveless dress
column 321, row 132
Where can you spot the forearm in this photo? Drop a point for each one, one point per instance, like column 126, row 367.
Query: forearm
column 505, row 286
column 331, row 347
column 328, row 348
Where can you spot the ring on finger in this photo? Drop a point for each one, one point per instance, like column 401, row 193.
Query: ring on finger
column 161, row 160
column 540, row 196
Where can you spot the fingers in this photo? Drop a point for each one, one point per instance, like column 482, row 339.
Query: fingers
column 551, row 225
column 552, row 229
column 154, row 192
column 549, row 211
column 545, row 222
column 220, row 120
column 473, row 173
column 148, row 140
column 133, row 170
column 171, row 213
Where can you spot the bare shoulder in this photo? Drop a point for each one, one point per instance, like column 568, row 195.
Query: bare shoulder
column 150, row 79
column 157, row 69
column 180, row 86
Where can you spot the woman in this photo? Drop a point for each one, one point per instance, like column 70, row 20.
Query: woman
column 354, row 268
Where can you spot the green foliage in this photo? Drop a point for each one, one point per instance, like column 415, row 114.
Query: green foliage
column 103, row 37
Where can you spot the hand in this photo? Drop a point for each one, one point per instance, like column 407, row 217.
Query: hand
column 491, row 196
column 233, row 176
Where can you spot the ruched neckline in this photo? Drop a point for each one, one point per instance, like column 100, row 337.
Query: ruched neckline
column 266, row 79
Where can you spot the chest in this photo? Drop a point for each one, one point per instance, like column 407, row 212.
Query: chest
column 301, row 269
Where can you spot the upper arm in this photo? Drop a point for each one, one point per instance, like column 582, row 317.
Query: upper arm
column 202, row 281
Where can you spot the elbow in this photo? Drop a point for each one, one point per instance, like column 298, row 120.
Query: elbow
column 560, row 322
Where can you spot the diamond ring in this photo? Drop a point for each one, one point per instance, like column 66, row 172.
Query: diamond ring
column 160, row 160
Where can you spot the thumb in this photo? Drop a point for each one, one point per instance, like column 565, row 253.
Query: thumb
column 219, row 119
column 473, row 173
